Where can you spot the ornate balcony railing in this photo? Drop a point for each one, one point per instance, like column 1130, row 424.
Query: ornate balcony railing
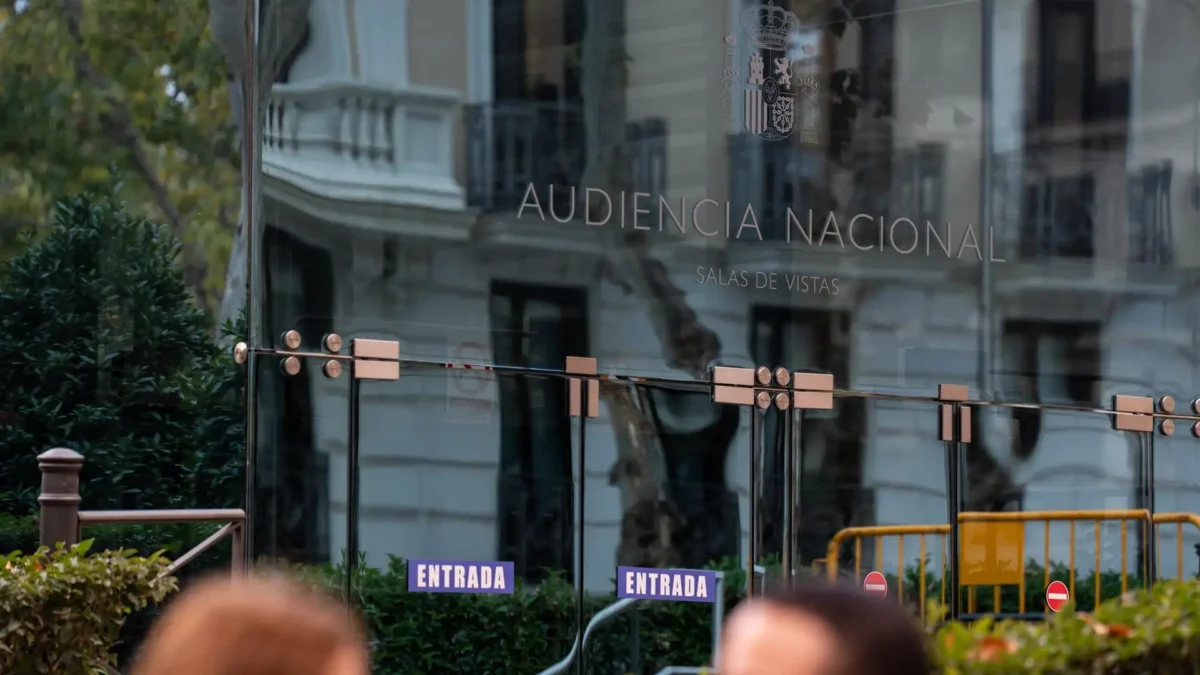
column 1059, row 215
column 1150, row 227
column 776, row 176
column 364, row 142
column 511, row 144
column 647, row 151
column 1061, row 210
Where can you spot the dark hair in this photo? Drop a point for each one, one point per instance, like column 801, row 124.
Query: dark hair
column 877, row 636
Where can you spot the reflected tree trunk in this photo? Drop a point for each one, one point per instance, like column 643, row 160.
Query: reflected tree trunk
column 282, row 29
column 650, row 520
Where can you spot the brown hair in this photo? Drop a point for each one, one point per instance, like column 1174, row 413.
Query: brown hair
column 261, row 626
column 878, row 636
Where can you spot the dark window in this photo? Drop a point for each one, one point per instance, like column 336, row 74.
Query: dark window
column 537, row 328
column 535, row 49
column 1052, row 362
column 1066, row 60
column 292, row 474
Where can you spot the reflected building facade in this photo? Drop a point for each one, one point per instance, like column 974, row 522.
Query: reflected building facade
column 900, row 193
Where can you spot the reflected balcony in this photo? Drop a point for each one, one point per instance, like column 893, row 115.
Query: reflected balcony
column 1076, row 212
column 511, row 144
column 1151, row 239
column 775, row 177
column 356, row 142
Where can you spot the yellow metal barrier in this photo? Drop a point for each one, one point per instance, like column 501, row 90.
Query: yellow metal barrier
column 1003, row 560
column 1178, row 520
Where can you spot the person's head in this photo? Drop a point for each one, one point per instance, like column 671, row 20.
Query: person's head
column 822, row 630
column 260, row 626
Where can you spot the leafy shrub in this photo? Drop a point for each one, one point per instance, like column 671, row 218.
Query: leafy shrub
column 1148, row 632
column 426, row 634
column 102, row 350
column 61, row 611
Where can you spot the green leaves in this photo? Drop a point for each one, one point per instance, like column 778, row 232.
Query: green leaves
column 157, row 63
column 1147, row 632
column 62, row 610
column 103, row 351
column 425, row 634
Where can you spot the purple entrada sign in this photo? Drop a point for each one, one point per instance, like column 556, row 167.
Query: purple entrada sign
column 459, row 576
column 649, row 583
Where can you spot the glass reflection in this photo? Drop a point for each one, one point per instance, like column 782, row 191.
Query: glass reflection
column 870, row 191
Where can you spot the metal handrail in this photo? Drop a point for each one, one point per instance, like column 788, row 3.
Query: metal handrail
column 234, row 528
column 619, row 607
column 686, row 670
column 602, row 617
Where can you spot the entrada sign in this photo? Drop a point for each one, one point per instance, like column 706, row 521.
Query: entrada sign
column 458, row 576
column 648, row 583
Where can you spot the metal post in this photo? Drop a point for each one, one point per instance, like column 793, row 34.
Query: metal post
column 59, row 500
column 238, row 563
column 1151, row 531
column 790, row 450
column 352, row 485
column 987, row 206
column 752, row 544
column 581, row 466
column 954, row 502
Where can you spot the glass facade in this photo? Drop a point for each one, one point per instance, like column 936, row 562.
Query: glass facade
column 580, row 284
column 575, row 284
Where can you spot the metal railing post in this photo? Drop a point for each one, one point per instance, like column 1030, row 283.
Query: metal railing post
column 59, row 499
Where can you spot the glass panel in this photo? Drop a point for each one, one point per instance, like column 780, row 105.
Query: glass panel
column 1177, row 500
column 874, row 463
column 468, row 466
column 1052, row 254
column 299, row 510
column 667, row 489
column 1091, row 480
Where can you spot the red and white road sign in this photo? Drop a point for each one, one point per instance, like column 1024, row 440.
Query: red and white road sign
column 1057, row 596
column 875, row 584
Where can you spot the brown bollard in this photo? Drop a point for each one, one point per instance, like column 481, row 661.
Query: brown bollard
column 59, row 500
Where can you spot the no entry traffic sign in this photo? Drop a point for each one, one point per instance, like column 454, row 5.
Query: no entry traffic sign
column 1057, row 596
column 875, row 584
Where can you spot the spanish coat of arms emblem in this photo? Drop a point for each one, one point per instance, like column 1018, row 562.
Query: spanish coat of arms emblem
column 768, row 88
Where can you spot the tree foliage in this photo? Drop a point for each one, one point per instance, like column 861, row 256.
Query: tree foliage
column 102, row 351
column 93, row 85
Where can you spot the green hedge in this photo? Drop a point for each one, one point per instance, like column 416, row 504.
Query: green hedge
column 89, row 596
column 19, row 534
column 1149, row 633
column 429, row 634
column 102, row 350
column 61, row 612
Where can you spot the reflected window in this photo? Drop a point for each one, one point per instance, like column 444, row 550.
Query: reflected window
column 531, row 129
column 536, row 327
column 1053, row 362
